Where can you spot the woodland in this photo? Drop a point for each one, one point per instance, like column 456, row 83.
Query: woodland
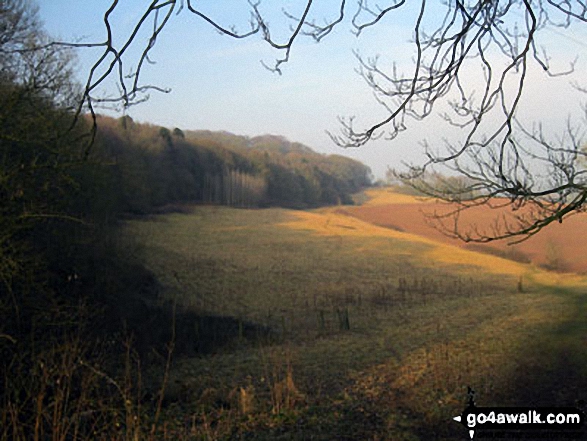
column 154, row 166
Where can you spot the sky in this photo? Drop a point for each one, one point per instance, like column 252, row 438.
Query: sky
column 219, row 83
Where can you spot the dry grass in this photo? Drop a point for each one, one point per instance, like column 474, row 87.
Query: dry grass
column 425, row 320
column 332, row 223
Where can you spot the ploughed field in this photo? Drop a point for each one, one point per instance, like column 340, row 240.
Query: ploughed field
column 319, row 325
column 558, row 247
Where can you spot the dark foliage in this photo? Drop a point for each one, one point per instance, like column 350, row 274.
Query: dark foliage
column 153, row 167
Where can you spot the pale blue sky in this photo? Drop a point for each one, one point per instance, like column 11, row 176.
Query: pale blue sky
column 218, row 83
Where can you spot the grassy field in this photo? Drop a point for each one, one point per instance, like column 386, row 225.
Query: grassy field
column 339, row 329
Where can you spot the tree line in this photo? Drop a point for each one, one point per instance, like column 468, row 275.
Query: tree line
column 152, row 167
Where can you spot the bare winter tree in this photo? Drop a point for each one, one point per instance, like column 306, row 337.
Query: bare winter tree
column 472, row 60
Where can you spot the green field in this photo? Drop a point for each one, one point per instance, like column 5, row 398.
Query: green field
column 348, row 336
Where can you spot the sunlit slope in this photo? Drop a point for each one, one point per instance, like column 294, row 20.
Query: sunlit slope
column 335, row 222
column 558, row 247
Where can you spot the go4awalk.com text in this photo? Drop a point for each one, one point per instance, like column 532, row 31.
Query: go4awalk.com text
column 522, row 422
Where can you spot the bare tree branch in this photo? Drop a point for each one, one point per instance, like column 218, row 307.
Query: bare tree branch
column 471, row 65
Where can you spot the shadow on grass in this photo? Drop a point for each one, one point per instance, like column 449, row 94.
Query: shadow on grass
column 560, row 377
column 193, row 334
column 550, row 372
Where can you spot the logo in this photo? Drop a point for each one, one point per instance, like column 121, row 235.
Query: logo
column 560, row 422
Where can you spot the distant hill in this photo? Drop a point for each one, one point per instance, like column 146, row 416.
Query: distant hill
column 156, row 166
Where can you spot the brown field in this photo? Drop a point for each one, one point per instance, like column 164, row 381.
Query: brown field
column 558, row 247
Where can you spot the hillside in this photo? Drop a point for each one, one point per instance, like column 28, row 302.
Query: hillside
column 317, row 325
column 156, row 166
column 559, row 247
